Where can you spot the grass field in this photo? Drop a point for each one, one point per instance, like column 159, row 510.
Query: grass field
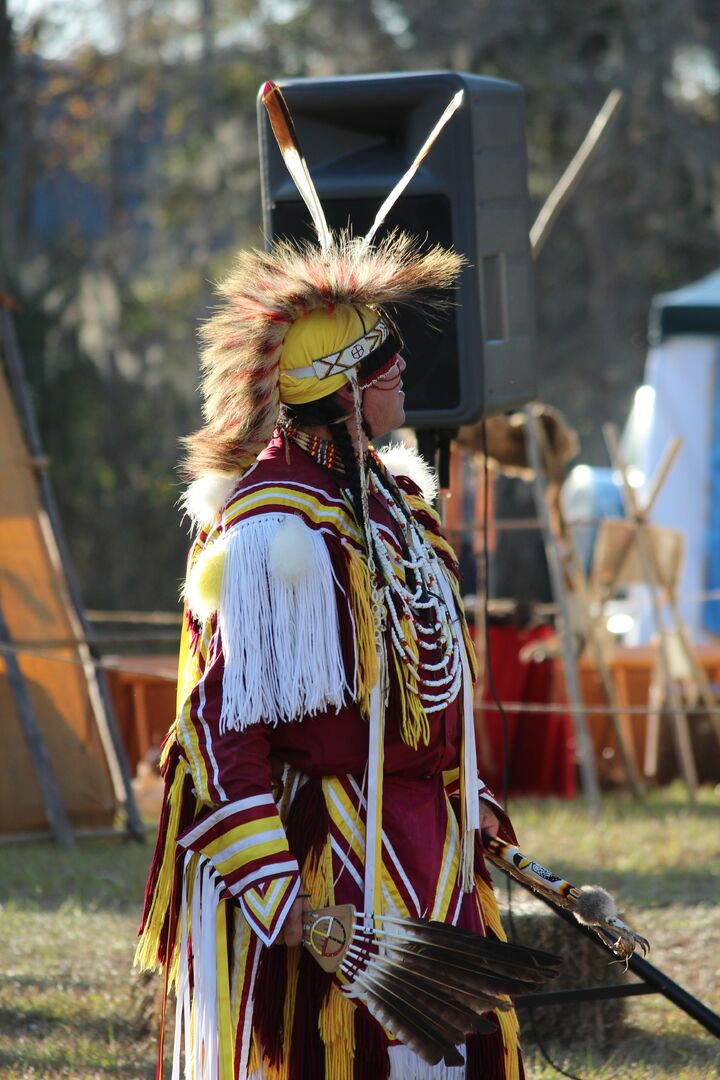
column 70, row 1005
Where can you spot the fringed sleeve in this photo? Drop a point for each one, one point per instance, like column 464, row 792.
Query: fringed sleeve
column 451, row 782
column 262, row 597
column 228, row 817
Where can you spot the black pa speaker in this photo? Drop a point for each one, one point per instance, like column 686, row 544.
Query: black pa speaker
column 359, row 135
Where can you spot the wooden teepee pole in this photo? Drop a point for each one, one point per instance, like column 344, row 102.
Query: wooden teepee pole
column 651, row 572
column 39, row 756
column 588, row 771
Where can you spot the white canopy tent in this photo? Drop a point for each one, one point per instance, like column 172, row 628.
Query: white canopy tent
column 681, row 397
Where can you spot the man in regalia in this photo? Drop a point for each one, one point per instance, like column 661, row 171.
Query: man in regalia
column 323, row 751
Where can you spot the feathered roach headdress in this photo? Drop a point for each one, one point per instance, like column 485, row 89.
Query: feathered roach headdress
column 265, row 344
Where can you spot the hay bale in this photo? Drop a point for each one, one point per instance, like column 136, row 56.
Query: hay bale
column 584, row 965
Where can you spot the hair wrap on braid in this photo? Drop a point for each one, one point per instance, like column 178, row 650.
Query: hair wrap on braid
column 346, row 450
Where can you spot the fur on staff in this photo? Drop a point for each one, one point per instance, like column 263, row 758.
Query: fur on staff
column 262, row 297
column 592, row 905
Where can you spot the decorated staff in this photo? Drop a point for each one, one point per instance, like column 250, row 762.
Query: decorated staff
column 590, row 904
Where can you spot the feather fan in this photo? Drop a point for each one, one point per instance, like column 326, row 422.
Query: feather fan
column 427, row 982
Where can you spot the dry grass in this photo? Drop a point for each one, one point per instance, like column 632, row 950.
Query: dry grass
column 662, row 861
column 70, row 1006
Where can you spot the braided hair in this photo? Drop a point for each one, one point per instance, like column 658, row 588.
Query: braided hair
column 330, row 412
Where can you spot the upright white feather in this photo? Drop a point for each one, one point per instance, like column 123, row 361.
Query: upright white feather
column 407, row 177
column 401, row 460
column 280, row 630
column 297, row 167
column 289, row 145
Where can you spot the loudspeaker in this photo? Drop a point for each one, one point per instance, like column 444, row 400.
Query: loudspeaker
column 359, row 134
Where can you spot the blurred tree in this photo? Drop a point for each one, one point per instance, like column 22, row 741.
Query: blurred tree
column 646, row 216
column 129, row 175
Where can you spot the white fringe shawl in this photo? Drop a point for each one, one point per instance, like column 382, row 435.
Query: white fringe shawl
column 278, row 624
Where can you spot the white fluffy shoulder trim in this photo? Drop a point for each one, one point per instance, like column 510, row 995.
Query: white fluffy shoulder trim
column 203, row 500
column 279, row 624
column 402, row 460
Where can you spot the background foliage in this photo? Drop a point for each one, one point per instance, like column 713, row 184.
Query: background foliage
column 128, row 175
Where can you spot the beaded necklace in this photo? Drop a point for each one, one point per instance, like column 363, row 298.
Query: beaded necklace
column 420, row 609
column 324, row 451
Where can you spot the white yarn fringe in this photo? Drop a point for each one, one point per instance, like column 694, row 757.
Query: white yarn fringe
column 197, row 1027
column 406, row 1065
column 280, row 637
column 401, row 460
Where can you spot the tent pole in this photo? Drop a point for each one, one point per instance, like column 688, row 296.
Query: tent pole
column 585, row 751
column 651, row 571
column 39, row 756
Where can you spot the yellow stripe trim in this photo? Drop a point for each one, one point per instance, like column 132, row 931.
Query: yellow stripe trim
column 395, row 898
column 263, row 913
column 356, row 842
column 449, row 863
column 257, row 851
column 242, row 832
column 294, row 499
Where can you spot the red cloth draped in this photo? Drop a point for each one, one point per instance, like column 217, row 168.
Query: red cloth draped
column 540, row 745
